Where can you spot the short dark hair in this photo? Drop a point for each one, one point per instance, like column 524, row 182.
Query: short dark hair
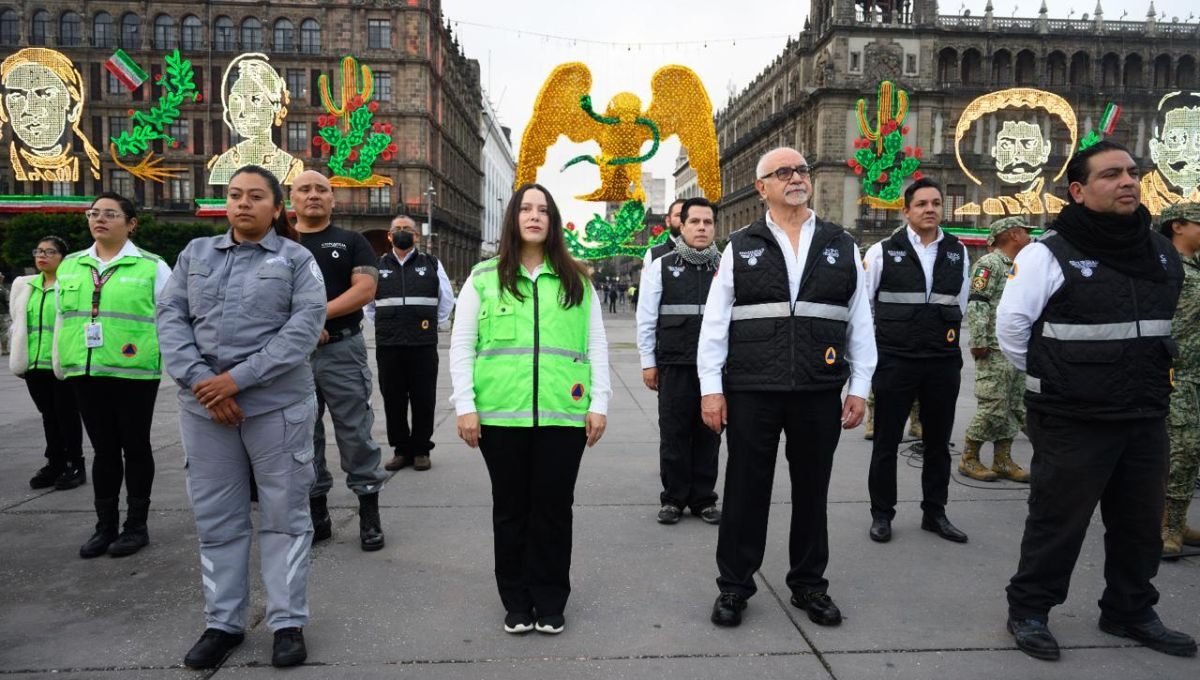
column 127, row 206
column 697, row 201
column 1078, row 169
column 923, row 183
column 57, row 241
column 281, row 224
column 673, row 204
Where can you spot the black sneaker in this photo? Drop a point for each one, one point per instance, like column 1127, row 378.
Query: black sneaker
column 74, row 476
column 709, row 515
column 550, row 625
column 212, row 648
column 727, row 610
column 518, row 623
column 820, row 607
column 669, row 514
column 44, row 479
column 1034, row 638
column 289, row 649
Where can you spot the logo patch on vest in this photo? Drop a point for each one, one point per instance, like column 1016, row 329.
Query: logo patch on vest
column 421, row 270
column 675, row 271
column 129, row 350
column 831, row 255
column 1085, row 267
column 951, row 336
column 896, row 255
column 830, row 356
column 577, row 391
column 424, row 324
column 751, row 256
column 1162, row 257
column 954, row 257
column 385, row 273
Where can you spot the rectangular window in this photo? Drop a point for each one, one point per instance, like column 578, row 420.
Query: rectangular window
column 298, row 140
column 179, row 130
column 121, row 182
column 117, row 125
column 379, row 34
column 379, row 199
column 61, row 189
column 956, row 197
column 297, row 83
column 856, row 62
column 383, row 86
column 910, row 64
column 180, row 189
column 114, row 85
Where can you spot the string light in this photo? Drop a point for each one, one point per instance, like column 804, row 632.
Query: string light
column 574, row 40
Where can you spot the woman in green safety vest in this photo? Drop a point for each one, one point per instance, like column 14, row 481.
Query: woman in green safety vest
column 106, row 347
column 529, row 363
column 33, row 311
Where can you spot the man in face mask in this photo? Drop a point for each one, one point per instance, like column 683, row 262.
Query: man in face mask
column 413, row 300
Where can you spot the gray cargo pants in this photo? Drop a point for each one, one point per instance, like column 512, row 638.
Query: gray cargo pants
column 278, row 445
column 344, row 385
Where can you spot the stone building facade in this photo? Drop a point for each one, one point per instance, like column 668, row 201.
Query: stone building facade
column 806, row 96
column 426, row 88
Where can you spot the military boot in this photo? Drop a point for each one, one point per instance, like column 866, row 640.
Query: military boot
column 134, row 536
column 370, row 534
column 108, row 520
column 915, row 430
column 1172, row 528
column 869, row 422
column 969, row 465
column 1003, row 464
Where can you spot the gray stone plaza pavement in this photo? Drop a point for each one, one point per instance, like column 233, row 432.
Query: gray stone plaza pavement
column 426, row 605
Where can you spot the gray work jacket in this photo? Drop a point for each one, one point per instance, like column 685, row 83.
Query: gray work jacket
column 253, row 309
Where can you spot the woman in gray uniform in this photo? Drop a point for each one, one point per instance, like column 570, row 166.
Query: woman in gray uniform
column 236, row 325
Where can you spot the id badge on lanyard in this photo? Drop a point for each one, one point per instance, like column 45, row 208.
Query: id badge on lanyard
column 93, row 332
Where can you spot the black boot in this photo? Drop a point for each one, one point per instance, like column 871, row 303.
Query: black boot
column 135, row 536
column 73, row 476
column 108, row 519
column 322, row 522
column 369, row 531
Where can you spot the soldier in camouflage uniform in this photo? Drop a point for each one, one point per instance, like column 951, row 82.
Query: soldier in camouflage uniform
column 999, row 386
column 1181, row 224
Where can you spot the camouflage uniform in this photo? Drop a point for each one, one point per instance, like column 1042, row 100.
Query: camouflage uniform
column 999, row 386
column 1184, row 421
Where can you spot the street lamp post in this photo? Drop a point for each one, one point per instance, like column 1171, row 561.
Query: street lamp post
column 427, row 230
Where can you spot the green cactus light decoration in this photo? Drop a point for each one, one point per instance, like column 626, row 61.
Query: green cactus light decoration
column 881, row 159
column 349, row 133
column 602, row 239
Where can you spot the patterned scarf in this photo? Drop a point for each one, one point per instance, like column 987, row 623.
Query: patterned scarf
column 710, row 256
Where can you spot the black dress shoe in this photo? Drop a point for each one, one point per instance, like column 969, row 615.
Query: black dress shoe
column 212, row 648
column 820, row 607
column 370, row 533
column 727, row 611
column 289, row 648
column 881, row 530
column 1154, row 635
column 942, row 527
column 669, row 514
column 1034, row 638
column 74, row 476
column 45, row 477
column 322, row 522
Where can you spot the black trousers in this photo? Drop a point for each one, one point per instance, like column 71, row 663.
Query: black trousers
column 533, row 472
column 898, row 381
column 687, row 449
column 117, row 413
column 812, row 422
column 1122, row 465
column 408, row 375
column 55, row 400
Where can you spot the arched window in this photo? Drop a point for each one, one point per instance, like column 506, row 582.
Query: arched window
column 284, row 39
column 1081, row 69
column 972, row 67
column 310, row 36
column 1002, row 68
column 223, row 40
column 164, row 33
column 1110, row 70
column 947, row 66
column 1026, row 68
column 252, row 37
column 70, row 30
column 1185, row 71
column 39, row 28
column 1132, row 76
column 131, row 31
column 1056, row 68
column 1162, row 72
column 192, row 34
column 10, row 32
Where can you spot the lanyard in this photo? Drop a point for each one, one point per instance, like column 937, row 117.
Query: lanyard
column 98, row 283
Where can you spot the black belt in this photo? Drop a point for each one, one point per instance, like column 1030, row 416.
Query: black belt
column 344, row 334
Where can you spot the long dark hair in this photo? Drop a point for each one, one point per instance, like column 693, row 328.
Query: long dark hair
column 570, row 272
column 281, row 224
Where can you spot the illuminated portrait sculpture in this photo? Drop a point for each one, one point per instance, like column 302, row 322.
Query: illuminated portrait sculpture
column 255, row 102
column 1020, row 150
column 680, row 106
column 43, row 99
column 1175, row 151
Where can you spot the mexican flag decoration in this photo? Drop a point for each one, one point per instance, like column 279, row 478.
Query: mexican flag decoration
column 126, row 70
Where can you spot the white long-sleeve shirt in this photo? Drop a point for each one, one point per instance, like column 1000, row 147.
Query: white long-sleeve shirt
column 465, row 335
column 928, row 255
column 1036, row 276
column 713, row 349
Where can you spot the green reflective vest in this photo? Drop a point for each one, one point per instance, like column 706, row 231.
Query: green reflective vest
column 39, row 320
column 126, row 316
column 531, row 363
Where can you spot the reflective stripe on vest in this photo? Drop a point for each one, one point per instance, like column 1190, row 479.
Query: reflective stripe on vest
column 917, row 298
column 681, row 310
column 509, row 351
column 1033, row 384
column 1107, row 331
column 542, row 415
column 777, row 310
column 81, row 314
column 407, row 301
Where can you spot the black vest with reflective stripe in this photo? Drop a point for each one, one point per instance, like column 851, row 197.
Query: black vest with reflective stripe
column 662, row 249
column 906, row 322
column 1102, row 348
column 684, row 292
column 776, row 344
column 406, row 301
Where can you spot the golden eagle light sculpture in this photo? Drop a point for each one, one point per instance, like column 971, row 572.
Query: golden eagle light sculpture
column 680, row 106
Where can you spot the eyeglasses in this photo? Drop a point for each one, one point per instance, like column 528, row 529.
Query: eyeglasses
column 48, row 252
column 785, row 173
column 108, row 214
